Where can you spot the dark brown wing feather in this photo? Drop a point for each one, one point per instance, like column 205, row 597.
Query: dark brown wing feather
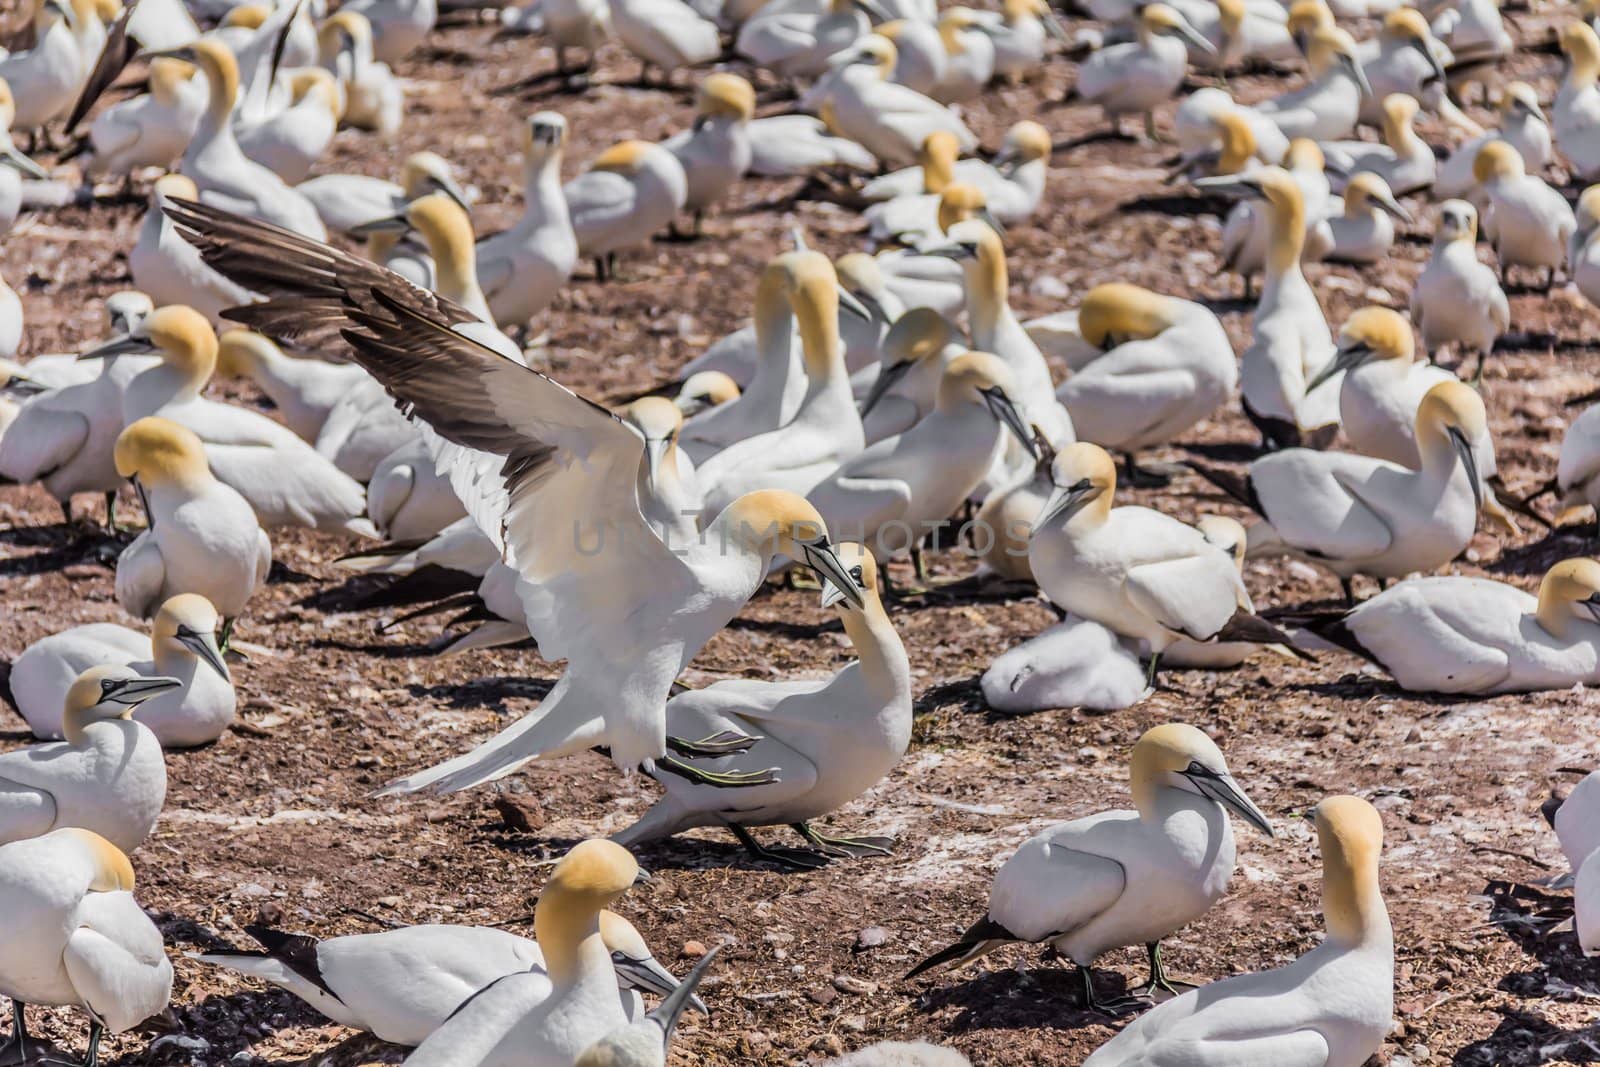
column 115, row 56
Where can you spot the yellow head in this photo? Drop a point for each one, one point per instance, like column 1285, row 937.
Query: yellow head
column 1520, row 97
column 1570, row 590
column 544, row 135
column 1178, row 756
column 1366, row 190
column 1582, row 47
column 706, row 389
column 976, row 378
column 176, row 187
column 813, row 287
column 1025, row 142
column 1308, row 16
column 952, row 24
column 1452, row 406
column 167, row 76
column 1238, row 142
column 1406, row 23
column 960, row 202
column 1497, row 160
column 596, row 871
column 159, row 452
column 1350, row 835
column 1379, row 332
column 344, row 25
column 1084, row 482
column 186, row 626
column 1327, row 46
column 247, row 16
column 938, row 156
column 877, row 50
column 185, row 339
column 726, row 96
column 919, row 334
column 318, row 84
column 1116, row 313
column 111, row 871
column 625, row 158
column 447, row 230
column 109, row 691
column 1226, row 533
column 1458, row 221
column 1231, row 13
column 656, row 417
column 859, row 273
column 1304, row 154
column 1399, row 111
column 241, row 351
column 1159, row 18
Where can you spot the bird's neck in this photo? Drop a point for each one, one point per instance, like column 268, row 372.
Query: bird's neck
column 775, row 362
column 74, row 721
column 223, row 87
column 541, row 184
column 1401, row 137
column 822, row 350
column 1554, row 615
column 1352, row 905
column 1287, row 238
column 878, row 647
column 986, row 296
column 1582, row 73
column 569, row 938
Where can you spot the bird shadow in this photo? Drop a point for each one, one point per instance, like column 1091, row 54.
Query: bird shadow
column 1225, row 451
column 1044, row 998
column 1526, row 1040
column 380, row 649
column 1185, row 205
column 963, row 694
column 484, row 692
column 1538, row 557
column 795, row 631
column 64, row 546
column 701, row 854
column 1227, row 305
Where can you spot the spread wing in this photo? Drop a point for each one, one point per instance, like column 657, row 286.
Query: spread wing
column 115, row 54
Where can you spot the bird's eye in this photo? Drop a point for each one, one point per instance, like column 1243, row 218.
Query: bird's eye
column 855, row 572
column 106, row 685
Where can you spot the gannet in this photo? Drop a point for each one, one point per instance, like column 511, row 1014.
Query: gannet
column 150, row 130
column 1121, row 877
column 1578, row 466
column 1021, row 31
column 704, row 391
column 1332, row 1006
column 374, row 99
column 75, row 936
column 629, row 192
column 969, row 56
column 1404, row 58
column 1074, row 664
column 715, row 151
column 644, row 1042
column 1362, row 230
column 398, row 26
column 1012, row 185
column 1004, row 524
column 292, row 141
column 548, row 1019
column 672, row 600
column 446, row 229
column 1136, row 77
column 407, row 499
column 1240, row 31
column 796, row 41
column 1583, row 250
column 363, row 430
column 202, row 537
column 163, row 264
column 1404, row 161
column 45, row 79
column 1202, row 121
column 665, row 34
column 345, row 201
column 919, row 52
column 901, row 489
column 283, row 478
column 1575, row 113
column 584, row 24
column 1290, row 342
column 1457, row 299
column 1167, row 364
column 402, row 984
column 830, row 740
column 1247, row 234
column 916, row 351
column 891, row 121
column 825, row 429
column 1134, row 570
column 1328, row 107
column 303, row 389
column 861, row 276
column 1526, row 222
column 1473, row 635
column 1383, row 385
column 1473, row 30
column 1522, row 124
column 522, row 268
column 1576, row 827
column 792, row 145
column 107, row 776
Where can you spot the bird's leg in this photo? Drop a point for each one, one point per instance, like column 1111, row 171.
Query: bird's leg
column 1139, row 478
column 1249, row 286
column 717, row 779
column 1158, row 976
column 844, row 847
column 699, row 221
column 225, row 635
column 111, row 513
column 723, row 743
column 1150, row 676
column 561, row 60
column 18, row 1041
column 795, row 859
column 611, row 266
column 1477, row 375
column 1092, row 1002
column 1349, row 587
column 96, row 1031
column 1150, row 126
column 1549, row 279
column 600, row 268
column 920, row 562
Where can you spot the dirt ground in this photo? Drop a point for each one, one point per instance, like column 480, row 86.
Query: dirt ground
column 276, row 819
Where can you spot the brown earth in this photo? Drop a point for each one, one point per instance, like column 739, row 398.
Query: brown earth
column 277, row 817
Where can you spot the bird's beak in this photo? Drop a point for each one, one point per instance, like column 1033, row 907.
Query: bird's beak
column 1194, row 37
column 1344, row 359
column 956, row 252
column 1463, row 447
column 1065, row 503
column 1354, row 66
column 820, row 557
column 884, row 382
column 1053, row 27
column 650, row 976
column 1229, row 185
column 831, row 594
column 1533, row 109
column 22, row 385
column 1336, row 168
column 671, row 1009
column 691, row 405
column 183, row 52
column 874, row 11
column 1225, row 791
column 451, row 188
column 1001, row 407
column 131, row 692
column 1433, row 61
column 204, row 645
column 1392, row 206
column 127, row 345
column 655, row 449
column 389, row 224
column 848, row 302
column 871, row 304
column 22, row 164
column 993, row 223
column 1591, row 604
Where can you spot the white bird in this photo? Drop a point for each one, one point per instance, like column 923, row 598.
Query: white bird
column 1004, row 524
column 1074, row 664
column 1575, row 114
column 969, row 56
column 45, row 79
column 345, row 201
column 1136, row 77
column 1472, row 635
column 796, row 41
column 665, row 34
column 920, row 55
column 182, row 645
column 829, row 739
column 1247, row 234
column 150, row 130
column 584, row 24
column 1208, row 121
column 1527, row 222
column 373, row 97
column 644, row 1042
column 1240, row 31
column 548, row 1018
column 704, row 391
column 1328, row 107
column 1012, row 185
column 1405, row 58
column 401, row 985
column 1121, row 877
column 529, row 457
column 1576, row 827
column 1522, row 124
column 715, row 151
column 446, row 230
column 916, row 351
column 1577, row 477
column 108, row 776
column 1021, row 31
column 75, row 936
column 303, row 389
column 292, row 141
column 1166, row 364
column 629, row 192
column 283, row 478
column 1289, row 1015
column 164, row 266
column 1290, row 343
column 1583, row 250
column 202, row 537
column 1134, row 570
column 1362, row 229
column 891, row 121
column 792, row 145
column 398, row 26
column 1404, row 161
column 1457, row 299
column 407, row 499
column 522, row 268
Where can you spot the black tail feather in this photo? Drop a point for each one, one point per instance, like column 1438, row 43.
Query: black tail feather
column 298, row 952
column 1253, row 628
column 1238, row 487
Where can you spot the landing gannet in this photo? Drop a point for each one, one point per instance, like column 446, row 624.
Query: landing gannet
column 1522, row 124
column 373, row 97
column 522, row 268
column 1404, row 160
column 1363, row 231
column 916, row 351
column 1457, row 299
column 665, row 34
column 202, row 537
column 1332, row 1006
column 548, row 1018
column 1135, row 571
column 166, row 267
column 1136, row 77
column 1122, row 877
column 1527, row 223
column 401, row 985
column 1329, row 106
column 631, row 191
column 644, row 1042
column 290, row 142
column 668, row 599
column 830, row 740
column 283, row 478
column 1575, row 113
column 75, row 936
column 715, row 151
column 889, row 120
column 304, row 390
column 151, row 130
column 898, row 491
column 1290, row 342
column 107, row 776
column 45, row 79
column 1167, row 364
column 1404, row 58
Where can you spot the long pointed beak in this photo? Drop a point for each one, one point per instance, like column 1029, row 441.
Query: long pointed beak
column 1064, row 503
column 691, row 405
column 874, row 11
column 1433, row 60
column 884, row 382
column 669, row 1011
column 1535, row 110
column 1591, row 604
column 390, row 224
column 1053, row 27
column 820, row 557
column 831, row 594
column 1354, row 66
column 1463, row 447
column 1225, row 791
column 993, row 223
column 955, row 252
column 1227, row 185
column 132, row 692
column 205, row 646
column 451, row 188
column 1393, row 207
column 120, row 346
column 22, row 385
column 22, row 164
column 650, row 976
column 849, row 303
column 1003, row 409
column 655, row 448
column 1344, row 359
column 1194, row 37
